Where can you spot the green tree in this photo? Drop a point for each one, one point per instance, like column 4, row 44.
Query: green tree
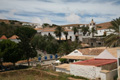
column 66, row 34
column 114, row 38
column 1, row 56
column 11, row 51
column 84, row 29
column 25, row 35
column 64, row 48
column 45, row 25
column 93, row 31
column 45, row 43
column 75, row 30
column 58, row 32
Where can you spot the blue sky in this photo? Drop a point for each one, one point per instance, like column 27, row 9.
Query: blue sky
column 60, row 11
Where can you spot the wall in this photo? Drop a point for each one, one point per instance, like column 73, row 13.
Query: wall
column 62, row 70
column 91, row 72
column 108, row 75
column 70, row 33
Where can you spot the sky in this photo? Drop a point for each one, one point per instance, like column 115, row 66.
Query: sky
column 60, row 12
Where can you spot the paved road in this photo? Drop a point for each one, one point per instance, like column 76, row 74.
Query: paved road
column 37, row 62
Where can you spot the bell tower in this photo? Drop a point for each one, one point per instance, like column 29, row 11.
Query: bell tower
column 92, row 24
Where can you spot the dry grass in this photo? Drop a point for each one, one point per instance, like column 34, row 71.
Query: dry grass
column 36, row 74
column 26, row 75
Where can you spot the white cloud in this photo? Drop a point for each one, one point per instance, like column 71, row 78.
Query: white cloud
column 73, row 18
column 41, row 21
column 2, row 16
column 91, row 7
column 46, row 20
column 36, row 20
column 12, row 13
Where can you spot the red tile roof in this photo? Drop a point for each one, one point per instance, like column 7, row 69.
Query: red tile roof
column 14, row 37
column 96, row 62
column 3, row 37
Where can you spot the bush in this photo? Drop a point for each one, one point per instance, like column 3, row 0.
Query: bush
column 63, row 60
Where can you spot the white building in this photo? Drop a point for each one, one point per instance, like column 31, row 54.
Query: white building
column 84, row 54
column 101, row 30
column 104, row 66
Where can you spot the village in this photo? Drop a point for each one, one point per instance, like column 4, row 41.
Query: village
column 59, row 40
column 93, row 60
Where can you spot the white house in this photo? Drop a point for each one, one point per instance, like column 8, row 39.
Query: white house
column 84, row 54
column 103, row 29
column 103, row 66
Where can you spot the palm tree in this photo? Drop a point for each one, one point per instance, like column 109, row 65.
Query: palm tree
column 114, row 38
column 85, row 29
column 58, row 32
column 66, row 34
column 75, row 30
column 93, row 31
column 45, row 25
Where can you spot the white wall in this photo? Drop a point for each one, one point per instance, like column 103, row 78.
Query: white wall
column 62, row 70
column 108, row 75
column 70, row 33
column 75, row 53
column 90, row 72
column 101, row 32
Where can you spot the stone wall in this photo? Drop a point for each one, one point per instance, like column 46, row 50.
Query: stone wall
column 90, row 72
column 62, row 70
column 108, row 75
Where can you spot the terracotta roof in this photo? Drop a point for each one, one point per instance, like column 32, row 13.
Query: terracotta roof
column 105, row 25
column 3, row 37
column 64, row 66
column 38, row 28
column 69, row 25
column 14, row 37
column 96, row 62
column 92, row 21
column 91, row 51
column 113, row 51
column 49, row 29
column 78, row 57
column 85, row 45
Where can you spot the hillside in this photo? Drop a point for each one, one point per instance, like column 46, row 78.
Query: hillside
column 103, row 25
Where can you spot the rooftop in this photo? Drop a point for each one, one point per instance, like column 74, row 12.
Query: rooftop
column 92, row 51
column 14, row 37
column 3, row 37
column 78, row 57
column 64, row 66
column 96, row 62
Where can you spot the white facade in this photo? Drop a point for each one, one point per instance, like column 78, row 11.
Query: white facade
column 105, row 55
column 103, row 31
column 90, row 72
column 70, row 34
column 75, row 53
column 62, row 70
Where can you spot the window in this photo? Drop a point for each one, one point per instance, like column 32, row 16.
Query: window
column 99, row 43
column 75, row 51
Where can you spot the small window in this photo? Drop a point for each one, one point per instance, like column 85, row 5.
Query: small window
column 91, row 44
column 75, row 51
column 99, row 43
